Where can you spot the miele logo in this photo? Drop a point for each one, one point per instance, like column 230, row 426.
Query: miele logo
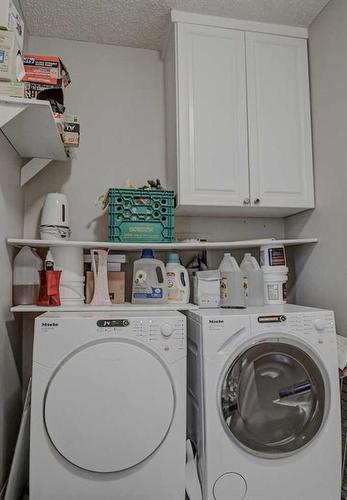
column 216, row 321
column 50, row 324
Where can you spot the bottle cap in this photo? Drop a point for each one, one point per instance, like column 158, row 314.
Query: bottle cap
column 147, row 253
column 174, row 258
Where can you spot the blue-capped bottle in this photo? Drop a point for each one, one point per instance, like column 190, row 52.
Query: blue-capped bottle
column 149, row 280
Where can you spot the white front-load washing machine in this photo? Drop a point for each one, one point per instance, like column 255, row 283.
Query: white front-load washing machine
column 108, row 419
column 263, row 403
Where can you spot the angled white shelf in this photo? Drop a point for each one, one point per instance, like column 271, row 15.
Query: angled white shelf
column 114, row 308
column 128, row 247
column 29, row 126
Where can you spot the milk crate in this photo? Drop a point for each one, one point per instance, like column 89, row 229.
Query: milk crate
column 141, row 216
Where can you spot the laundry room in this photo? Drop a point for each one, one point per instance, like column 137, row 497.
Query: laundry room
column 173, row 321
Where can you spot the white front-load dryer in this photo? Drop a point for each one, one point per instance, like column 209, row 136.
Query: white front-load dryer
column 263, row 403
column 108, row 419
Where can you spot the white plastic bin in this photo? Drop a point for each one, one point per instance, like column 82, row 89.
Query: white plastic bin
column 275, row 287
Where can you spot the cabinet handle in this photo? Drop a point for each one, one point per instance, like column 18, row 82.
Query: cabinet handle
column 246, row 201
column 256, row 201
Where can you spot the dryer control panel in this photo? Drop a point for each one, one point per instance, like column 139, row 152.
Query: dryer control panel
column 168, row 335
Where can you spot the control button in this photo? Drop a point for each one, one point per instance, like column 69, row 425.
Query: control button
column 319, row 324
column 166, row 330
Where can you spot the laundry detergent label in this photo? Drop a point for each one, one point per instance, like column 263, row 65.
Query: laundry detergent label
column 224, row 288
column 245, row 287
column 277, row 257
column 153, row 293
column 174, row 293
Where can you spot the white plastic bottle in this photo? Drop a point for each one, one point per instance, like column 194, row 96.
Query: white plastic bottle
column 149, row 280
column 231, row 285
column 178, row 291
column 26, row 284
column 253, row 283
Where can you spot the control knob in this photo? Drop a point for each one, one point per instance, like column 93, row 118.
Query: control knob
column 319, row 325
column 166, row 330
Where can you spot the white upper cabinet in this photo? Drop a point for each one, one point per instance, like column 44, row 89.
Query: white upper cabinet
column 280, row 149
column 238, row 120
column 213, row 159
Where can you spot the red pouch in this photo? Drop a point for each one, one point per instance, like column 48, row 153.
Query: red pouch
column 49, row 288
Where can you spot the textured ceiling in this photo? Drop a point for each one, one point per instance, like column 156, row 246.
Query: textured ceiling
column 142, row 23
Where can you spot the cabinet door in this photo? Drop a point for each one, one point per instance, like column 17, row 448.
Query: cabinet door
column 212, row 109
column 280, row 144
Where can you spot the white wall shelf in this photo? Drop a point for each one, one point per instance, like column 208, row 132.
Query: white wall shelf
column 127, row 307
column 128, row 247
column 29, row 126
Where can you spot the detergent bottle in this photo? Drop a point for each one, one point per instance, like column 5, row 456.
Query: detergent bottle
column 231, row 284
column 253, row 283
column 177, row 281
column 149, row 280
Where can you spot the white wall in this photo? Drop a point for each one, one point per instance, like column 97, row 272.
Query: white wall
column 322, row 269
column 11, row 224
column 119, row 94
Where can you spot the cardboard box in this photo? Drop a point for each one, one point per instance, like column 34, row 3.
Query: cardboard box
column 116, row 286
column 59, row 121
column 8, row 55
column 12, row 89
column 71, row 135
column 48, row 70
column 43, row 91
column 11, row 20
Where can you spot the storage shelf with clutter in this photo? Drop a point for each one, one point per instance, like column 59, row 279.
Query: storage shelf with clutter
column 30, row 127
column 32, row 112
column 126, row 307
column 178, row 245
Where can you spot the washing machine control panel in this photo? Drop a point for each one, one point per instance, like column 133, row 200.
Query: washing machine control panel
column 316, row 323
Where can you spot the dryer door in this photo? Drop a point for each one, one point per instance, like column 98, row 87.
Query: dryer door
column 109, row 406
column 273, row 398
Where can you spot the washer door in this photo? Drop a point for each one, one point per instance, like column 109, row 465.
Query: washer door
column 273, row 398
column 109, row 406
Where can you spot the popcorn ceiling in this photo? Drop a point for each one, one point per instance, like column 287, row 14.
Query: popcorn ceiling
column 143, row 23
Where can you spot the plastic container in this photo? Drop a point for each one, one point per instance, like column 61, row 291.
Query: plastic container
column 141, row 216
column 26, row 279
column 177, row 281
column 253, row 281
column 54, row 233
column 231, row 283
column 69, row 260
column 149, row 280
column 206, row 286
column 275, row 287
column 72, row 292
column 273, row 257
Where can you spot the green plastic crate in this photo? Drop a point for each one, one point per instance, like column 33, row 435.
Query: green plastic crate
column 141, row 216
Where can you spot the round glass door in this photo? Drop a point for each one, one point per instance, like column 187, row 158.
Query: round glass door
column 273, row 398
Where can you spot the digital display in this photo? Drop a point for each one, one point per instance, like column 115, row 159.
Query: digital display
column 112, row 323
column 272, row 319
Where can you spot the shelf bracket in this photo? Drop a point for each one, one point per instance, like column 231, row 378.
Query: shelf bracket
column 9, row 111
column 31, row 168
